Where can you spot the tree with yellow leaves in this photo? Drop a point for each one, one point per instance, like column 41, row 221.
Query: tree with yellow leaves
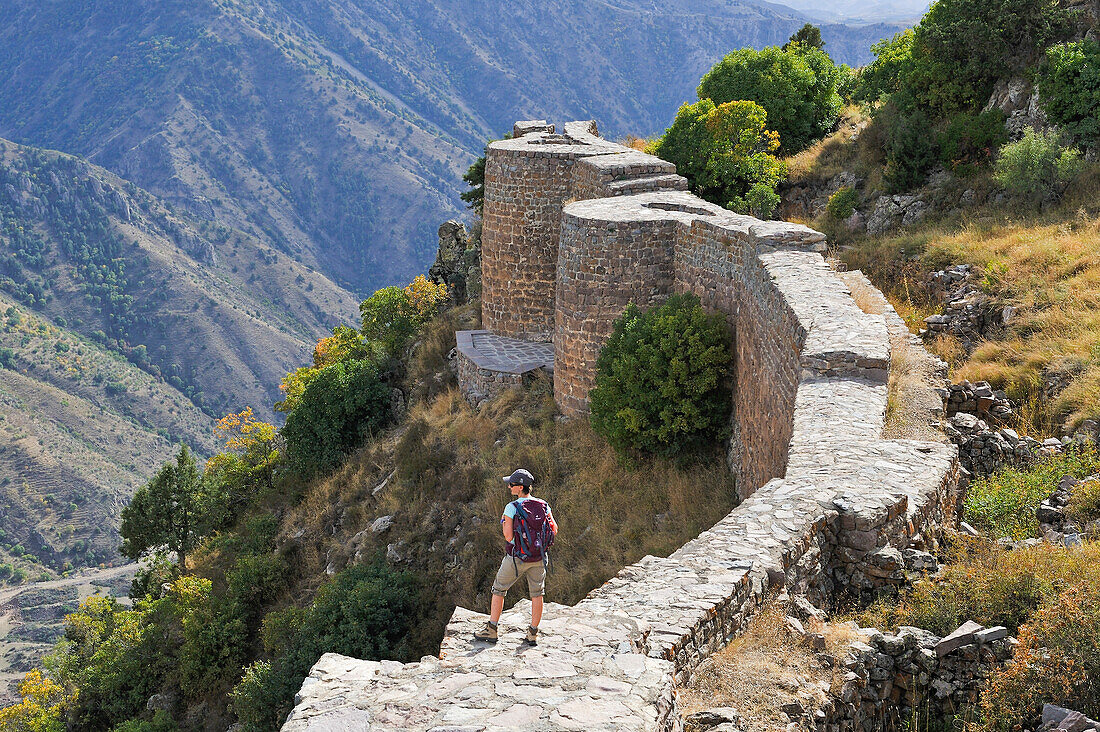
column 245, row 468
column 393, row 315
column 41, row 707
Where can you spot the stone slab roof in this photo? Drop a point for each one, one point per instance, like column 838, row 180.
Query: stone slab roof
column 507, row 355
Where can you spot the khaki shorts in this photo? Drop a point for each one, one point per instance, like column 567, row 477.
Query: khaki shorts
column 512, row 570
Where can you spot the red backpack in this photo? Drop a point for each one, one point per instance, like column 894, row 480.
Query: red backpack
column 531, row 532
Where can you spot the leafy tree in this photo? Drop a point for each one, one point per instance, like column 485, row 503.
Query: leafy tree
column 725, row 151
column 365, row 612
column 797, row 87
column 961, row 47
column 343, row 405
column 246, row 467
column 41, row 707
column 475, row 178
column 1036, row 166
column 1069, row 87
column 884, row 76
column 969, row 141
column 110, row 660
column 166, row 512
column 662, row 379
column 908, row 146
column 393, row 315
column 808, row 36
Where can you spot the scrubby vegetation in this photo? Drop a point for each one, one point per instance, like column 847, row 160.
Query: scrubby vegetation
column 1048, row 595
column 1004, row 504
column 753, row 105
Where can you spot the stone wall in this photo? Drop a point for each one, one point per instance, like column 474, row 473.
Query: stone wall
column 830, row 503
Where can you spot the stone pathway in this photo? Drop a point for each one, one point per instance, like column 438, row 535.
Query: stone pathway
column 506, row 355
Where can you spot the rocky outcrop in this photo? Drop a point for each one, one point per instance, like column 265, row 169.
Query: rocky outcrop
column 892, row 212
column 457, row 263
column 1020, row 103
column 1056, row 525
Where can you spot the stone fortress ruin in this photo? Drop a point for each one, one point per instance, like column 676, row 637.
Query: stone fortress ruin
column 575, row 228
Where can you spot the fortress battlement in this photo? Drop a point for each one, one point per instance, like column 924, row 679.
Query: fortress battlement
column 575, row 228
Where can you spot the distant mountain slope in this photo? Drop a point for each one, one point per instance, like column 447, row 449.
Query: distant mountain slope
column 336, row 131
column 80, row 429
column 217, row 314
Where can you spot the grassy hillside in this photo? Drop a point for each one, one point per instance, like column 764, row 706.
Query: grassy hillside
column 217, row 314
column 124, row 328
column 1042, row 260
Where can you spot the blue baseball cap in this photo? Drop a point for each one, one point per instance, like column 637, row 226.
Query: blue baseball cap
column 520, row 477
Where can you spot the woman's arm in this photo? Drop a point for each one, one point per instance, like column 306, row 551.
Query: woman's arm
column 506, row 526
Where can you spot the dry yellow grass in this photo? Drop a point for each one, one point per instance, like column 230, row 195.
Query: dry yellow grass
column 1048, row 269
column 765, row 668
column 835, row 154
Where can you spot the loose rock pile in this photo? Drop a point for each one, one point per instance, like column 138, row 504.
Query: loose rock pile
column 886, row 677
column 1055, row 525
column 1059, row 719
column 984, row 449
column 979, row 399
column 969, row 313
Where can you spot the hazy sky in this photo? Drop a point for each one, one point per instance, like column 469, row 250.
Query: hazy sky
column 869, row 10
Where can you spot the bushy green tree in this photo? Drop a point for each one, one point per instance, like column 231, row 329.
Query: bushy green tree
column 726, row 152
column 808, row 36
column 662, row 379
column 393, row 315
column 1037, row 166
column 797, row 87
column 365, row 612
column 908, row 146
column 110, row 657
column 344, row 404
column 166, row 513
column 969, row 141
column 1069, row 87
column 961, row 47
column 883, row 76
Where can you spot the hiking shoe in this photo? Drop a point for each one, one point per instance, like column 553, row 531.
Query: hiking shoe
column 487, row 634
column 531, row 639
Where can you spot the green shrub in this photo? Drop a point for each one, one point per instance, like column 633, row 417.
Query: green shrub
column 1004, row 504
column 842, row 204
column 1084, row 502
column 1037, row 166
column 797, row 87
column 662, row 379
column 1069, row 87
column 161, row 722
column 970, row 141
column 342, row 406
column 908, row 147
column 761, row 201
column 1056, row 662
column 726, row 153
column 366, row 611
column 7, row 358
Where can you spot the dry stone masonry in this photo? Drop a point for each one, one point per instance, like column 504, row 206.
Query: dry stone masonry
column 829, row 504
